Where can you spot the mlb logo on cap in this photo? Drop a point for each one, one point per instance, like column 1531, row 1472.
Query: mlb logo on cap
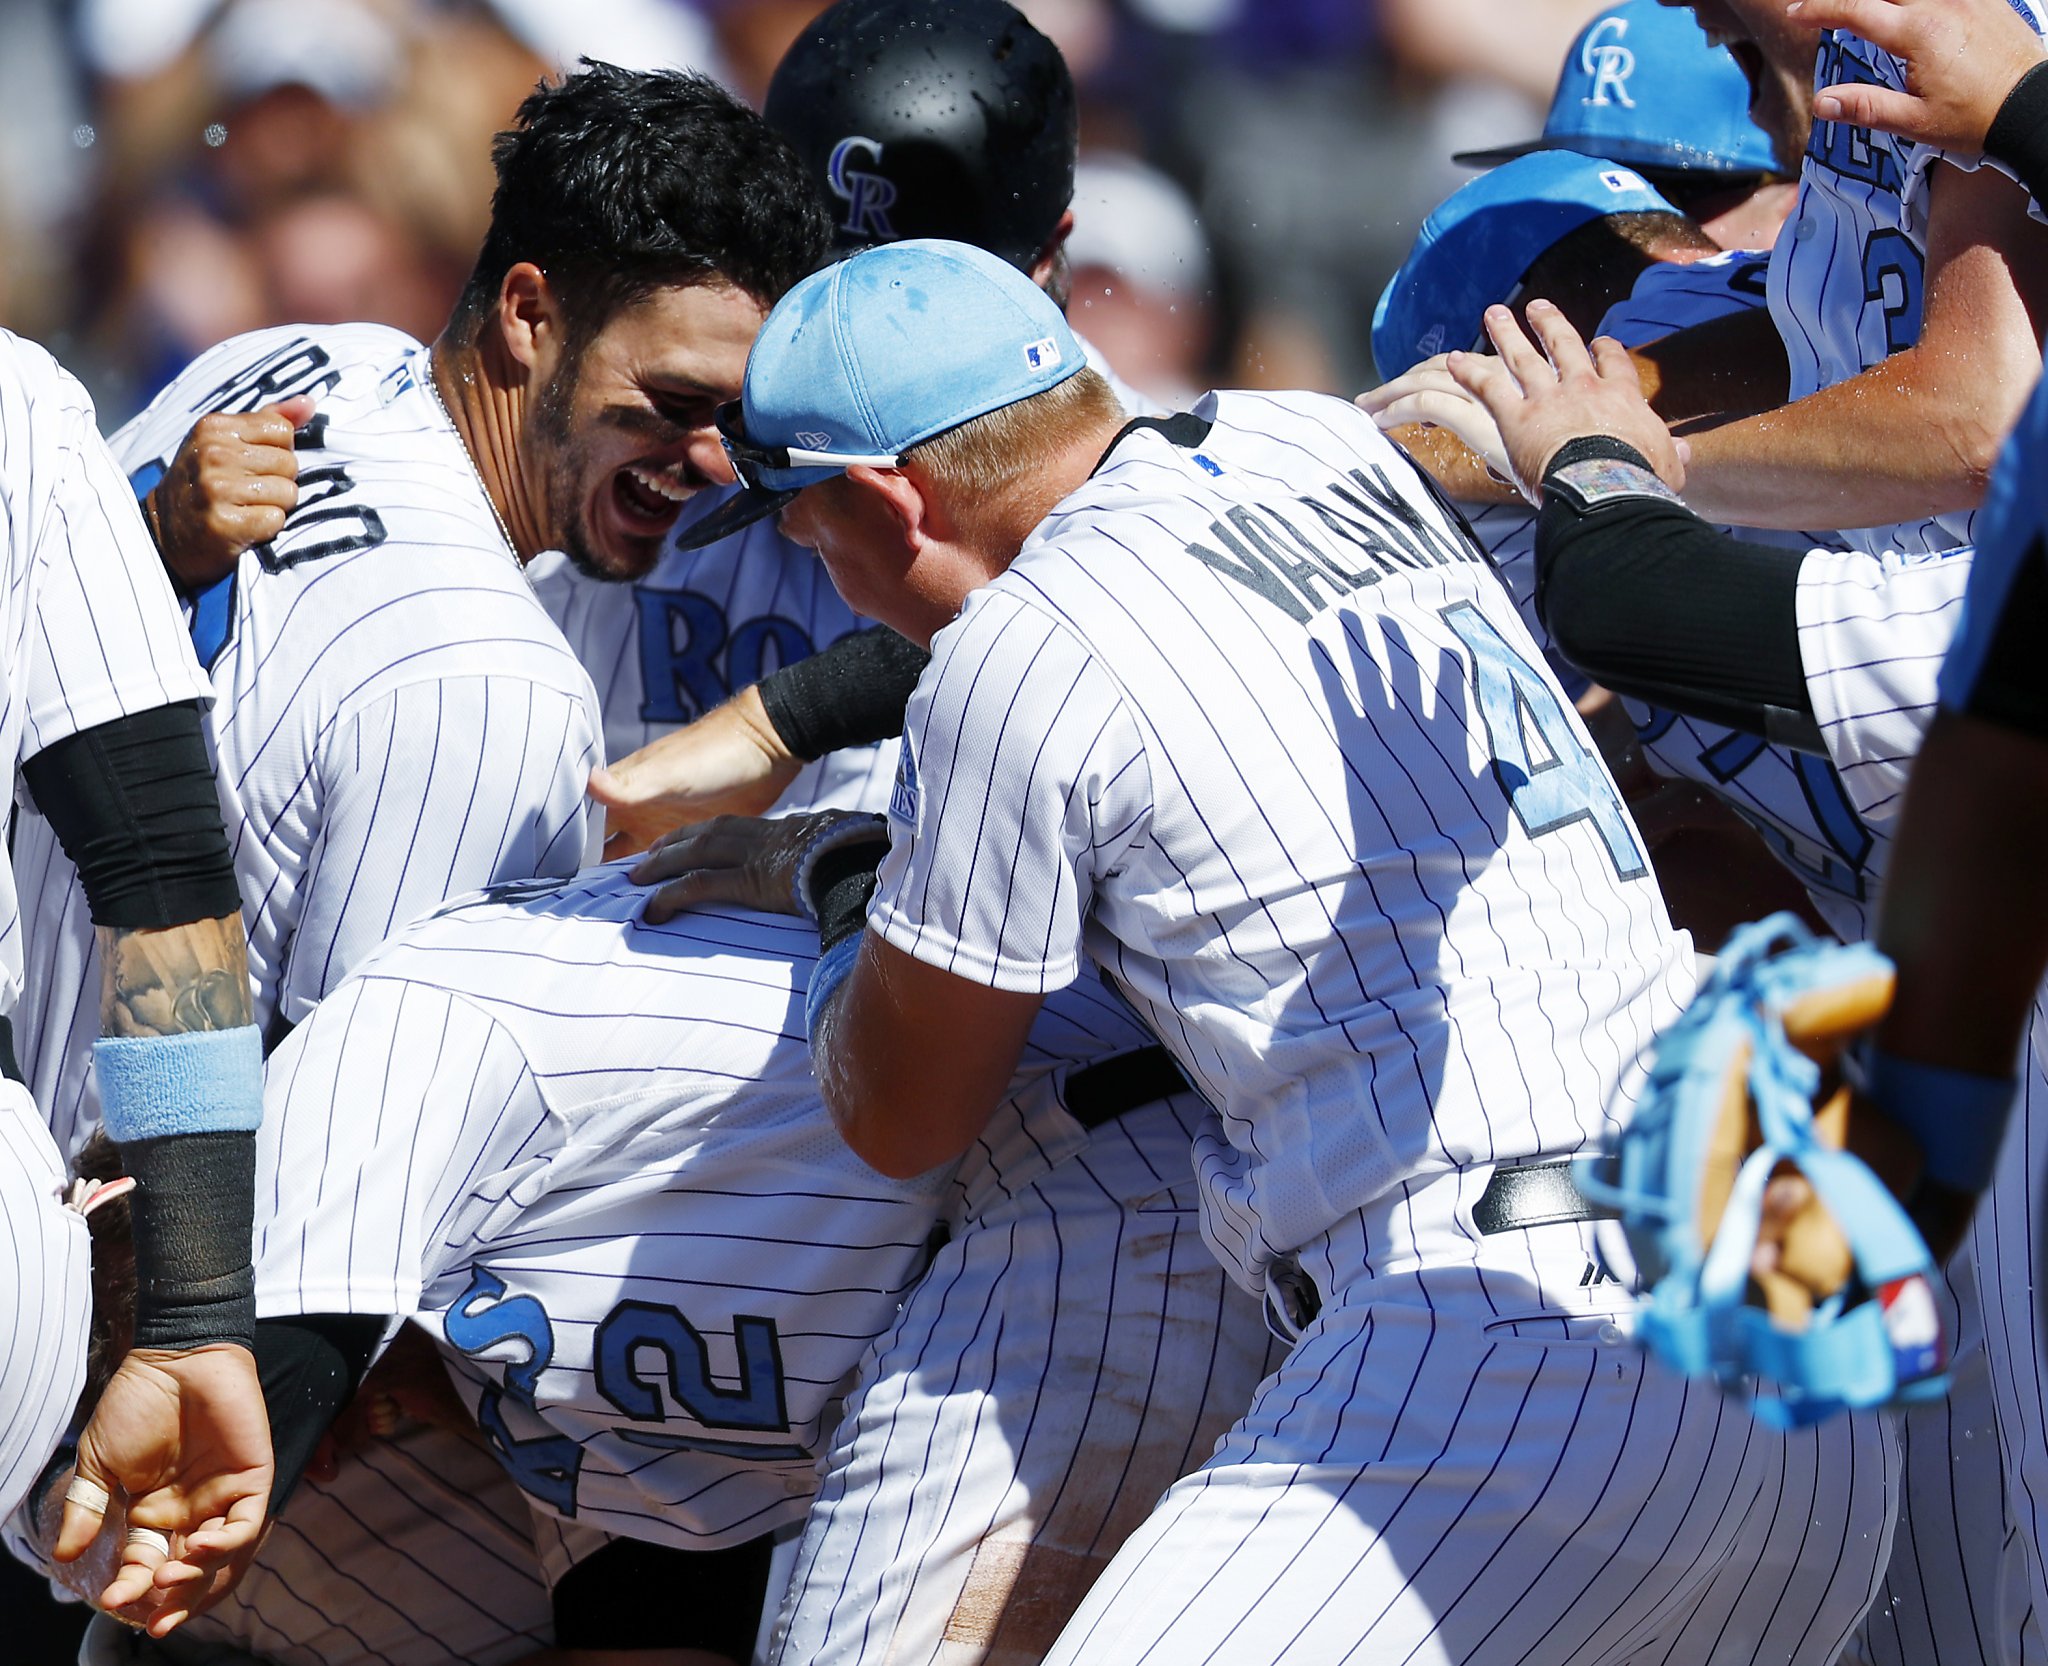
column 1042, row 355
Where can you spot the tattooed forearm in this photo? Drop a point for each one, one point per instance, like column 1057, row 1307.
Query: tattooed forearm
column 178, row 979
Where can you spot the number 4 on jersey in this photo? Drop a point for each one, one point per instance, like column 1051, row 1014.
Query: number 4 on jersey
column 1550, row 778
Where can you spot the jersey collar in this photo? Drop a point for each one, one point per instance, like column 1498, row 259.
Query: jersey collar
column 1183, row 429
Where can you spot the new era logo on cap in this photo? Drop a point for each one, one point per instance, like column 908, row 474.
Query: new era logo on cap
column 813, row 439
column 1042, row 355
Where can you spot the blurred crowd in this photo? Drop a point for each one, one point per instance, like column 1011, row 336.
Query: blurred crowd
column 175, row 171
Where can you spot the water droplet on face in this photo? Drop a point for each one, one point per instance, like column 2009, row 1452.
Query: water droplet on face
column 216, row 135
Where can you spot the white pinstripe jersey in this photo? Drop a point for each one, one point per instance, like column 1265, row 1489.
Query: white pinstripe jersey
column 1848, row 275
column 703, row 625
column 91, row 627
column 1250, row 723
column 592, row 1152
column 417, row 1553
column 396, row 720
column 1868, row 625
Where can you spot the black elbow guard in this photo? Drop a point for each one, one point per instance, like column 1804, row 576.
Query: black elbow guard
column 134, row 804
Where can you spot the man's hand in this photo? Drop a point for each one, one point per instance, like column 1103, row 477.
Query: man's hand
column 1427, row 395
column 230, row 487
column 1962, row 58
column 185, row 1439
column 730, row 762
column 1541, row 400
column 735, row 859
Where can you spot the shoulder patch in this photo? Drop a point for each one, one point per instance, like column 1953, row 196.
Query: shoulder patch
column 903, row 799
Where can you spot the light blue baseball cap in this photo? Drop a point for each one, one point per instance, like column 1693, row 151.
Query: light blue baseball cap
column 878, row 353
column 1476, row 244
column 1642, row 86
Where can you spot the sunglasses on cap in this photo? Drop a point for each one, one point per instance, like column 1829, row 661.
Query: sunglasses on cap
column 759, row 466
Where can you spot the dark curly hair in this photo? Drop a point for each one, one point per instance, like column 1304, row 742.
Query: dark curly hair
column 617, row 182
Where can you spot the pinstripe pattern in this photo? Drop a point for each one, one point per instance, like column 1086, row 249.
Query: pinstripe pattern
column 418, row 1552
column 531, row 1112
column 1798, row 805
column 1454, row 1466
column 1340, row 988
column 396, row 720
column 1849, row 270
column 88, row 633
column 45, row 1302
column 90, row 625
column 1957, row 1590
column 1872, row 632
column 1025, row 1411
column 2006, row 1241
column 703, row 625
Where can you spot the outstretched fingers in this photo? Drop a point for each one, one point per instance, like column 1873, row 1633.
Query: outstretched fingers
column 1562, row 345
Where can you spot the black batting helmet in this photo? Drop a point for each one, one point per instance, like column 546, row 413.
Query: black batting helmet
column 932, row 118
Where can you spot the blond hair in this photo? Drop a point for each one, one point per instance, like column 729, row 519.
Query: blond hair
column 983, row 458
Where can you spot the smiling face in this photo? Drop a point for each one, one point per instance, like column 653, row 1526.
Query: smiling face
column 620, row 435
column 1776, row 55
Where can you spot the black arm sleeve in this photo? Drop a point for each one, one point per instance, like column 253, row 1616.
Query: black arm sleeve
column 134, row 805
column 709, row 1599
column 2019, row 133
column 309, row 1366
column 850, row 693
column 1649, row 600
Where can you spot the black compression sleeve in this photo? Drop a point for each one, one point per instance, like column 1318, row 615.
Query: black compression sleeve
column 707, row 1599
column 2019, row 133
column 850, row 693
column 191, row 1214
column 1649, row 600
column 310, row 1365
column 134, row 805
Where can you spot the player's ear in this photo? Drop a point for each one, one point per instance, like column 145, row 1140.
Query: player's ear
column 901, row 500
column 1048, row 257
column 530, row 316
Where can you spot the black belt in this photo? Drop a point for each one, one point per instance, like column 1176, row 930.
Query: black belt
column 1518, row 1196
column 9, row 1066
column 1522, row 1195
column 1103, row 1091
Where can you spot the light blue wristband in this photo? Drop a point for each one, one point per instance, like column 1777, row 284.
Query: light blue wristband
column 1958, row 1117
column 202, row 1082
column 834, row 967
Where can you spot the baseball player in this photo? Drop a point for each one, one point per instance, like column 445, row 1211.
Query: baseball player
column 1343, row 900
column 1903, row 294
column 1951, row 1546
column 1871, row 622
column 915, row 118
column 648, row 1258
column 100, row 706
column 397, row 718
